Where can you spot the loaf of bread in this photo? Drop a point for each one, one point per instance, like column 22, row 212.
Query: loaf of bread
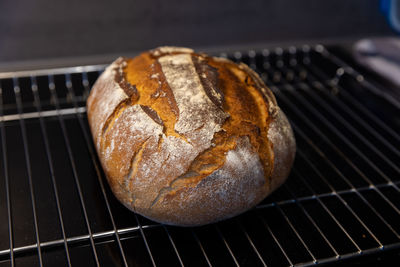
column 188, row 139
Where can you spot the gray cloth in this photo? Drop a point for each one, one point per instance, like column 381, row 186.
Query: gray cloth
column 381, row 55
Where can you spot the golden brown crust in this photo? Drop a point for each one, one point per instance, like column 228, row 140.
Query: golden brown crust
column 188, row 139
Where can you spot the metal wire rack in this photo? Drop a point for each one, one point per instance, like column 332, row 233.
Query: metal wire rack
column 340, row 201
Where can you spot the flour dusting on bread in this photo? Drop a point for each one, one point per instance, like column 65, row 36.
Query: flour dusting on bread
column 195, row 108
column 105, row 85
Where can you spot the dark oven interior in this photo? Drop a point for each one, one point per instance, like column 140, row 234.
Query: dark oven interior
column 341, row 201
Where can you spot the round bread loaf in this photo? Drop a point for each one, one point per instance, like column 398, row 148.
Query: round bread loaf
column 188, row 139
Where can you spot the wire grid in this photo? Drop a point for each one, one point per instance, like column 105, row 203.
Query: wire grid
column 340, row 201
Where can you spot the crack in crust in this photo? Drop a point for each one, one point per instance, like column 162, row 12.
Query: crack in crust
column 206, row 162
column 119, row 77
column 163, row 90
column 152, row 114
column 260, row 86
column 209, row 79
column 119, row 109
column 133, row 167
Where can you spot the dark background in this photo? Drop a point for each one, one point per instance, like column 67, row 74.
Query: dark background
column 46, row 29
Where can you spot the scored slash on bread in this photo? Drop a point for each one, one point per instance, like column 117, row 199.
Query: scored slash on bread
column 188, row 139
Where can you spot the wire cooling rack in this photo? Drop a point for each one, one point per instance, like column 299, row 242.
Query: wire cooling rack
column 341, row 200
